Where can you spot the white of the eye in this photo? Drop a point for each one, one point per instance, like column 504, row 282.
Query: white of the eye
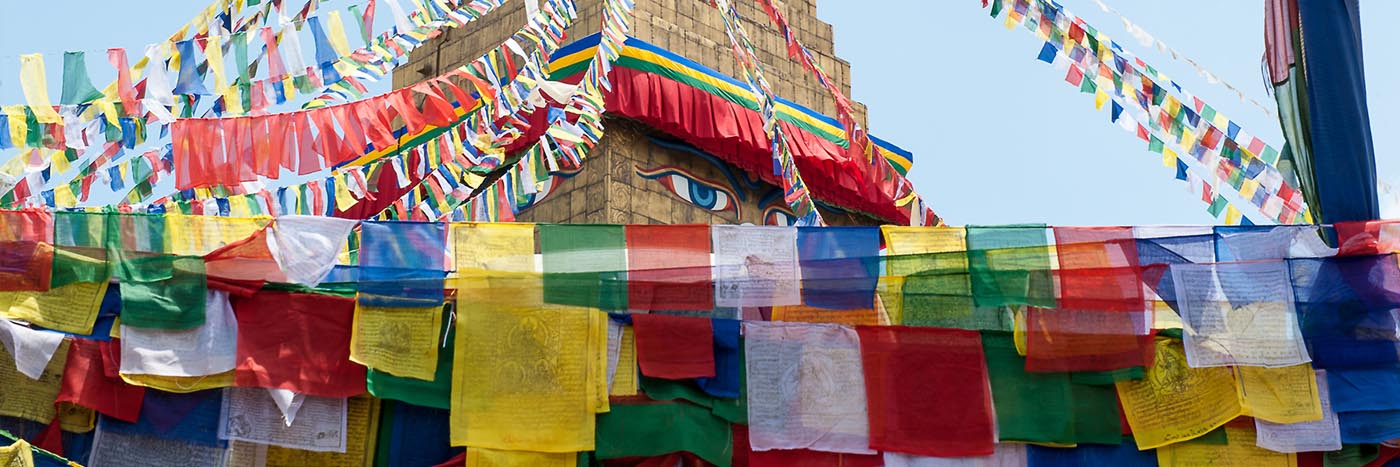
column 682, row 187
column 721, row 201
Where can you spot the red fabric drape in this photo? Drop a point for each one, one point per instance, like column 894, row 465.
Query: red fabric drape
column 735, row 133
column 668, row 267
column 927, row 391
column 297, row 341
column 90, row 380
column 674, row 347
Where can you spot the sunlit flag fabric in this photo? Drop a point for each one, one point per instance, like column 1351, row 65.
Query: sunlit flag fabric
column 1098, row 269
column 930, row 378
column 937, row 288
column 26, row 250
column 1010, row 265
column 668, row 267
column 1074, row 340
column 207, row 349
column 585, row 265
column 402, row 264
column 840, row 266
column 1239, row 314
column 299, row 342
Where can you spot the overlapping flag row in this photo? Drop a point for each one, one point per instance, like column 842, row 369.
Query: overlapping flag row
column 94, row 137
column 200, row 339
column 1208, row 150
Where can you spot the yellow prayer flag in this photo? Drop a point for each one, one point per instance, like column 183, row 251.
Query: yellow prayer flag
column 399, row 341
column 36, row 88
column 336, row 32
column 1164, row 317
column 1100, row 98
column 344, row 199
column 1174, row 402
column 33, row 400
column 1239, row 452
column 199, row 235
column 495, row 258
column 1220, row 121
column 71, row 308
column 625, row 381
column 1232, row 215
column 922, row 248
column 517, row 366
column 17, row 132
column 889, row 299
column 181, row 384
column 482, row 457
column 1248, row 188
column 214, row 56
column 1168, row 158
column 18, row 454
column 63, row 194
column 1280, row 395
column 598, row 369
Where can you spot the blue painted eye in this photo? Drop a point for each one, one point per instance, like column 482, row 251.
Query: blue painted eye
column 702, row 193
column 776, row 215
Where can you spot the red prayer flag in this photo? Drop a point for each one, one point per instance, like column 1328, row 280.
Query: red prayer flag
column 927, row 391
column 1075, row 75
column 297, row 341
column 88, row 382
column 668, row 267
column 1366, row 238
column 745, row 456
column 1098, row 269
column 1059, row 340
column 674, row 347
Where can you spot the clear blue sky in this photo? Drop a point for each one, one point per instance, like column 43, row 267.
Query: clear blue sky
column 998, row 136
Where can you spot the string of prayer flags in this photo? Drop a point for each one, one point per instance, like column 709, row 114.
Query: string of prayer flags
column 1209, row 151
column 930, row 378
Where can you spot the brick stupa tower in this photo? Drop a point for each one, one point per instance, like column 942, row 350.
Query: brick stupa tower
column 639, row 174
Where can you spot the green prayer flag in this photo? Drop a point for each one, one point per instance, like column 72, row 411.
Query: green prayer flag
column 1217, row 206
column 1010, row 265
column 163, row 292
column 1352, row 455
column 1270, row 155
column 1208, row 113
column 77, row 87
column 996, row 8
column 436, row 393
column 654, row 429
column 585, row 265
column 731, row 410
column 1046, row 407
column 1156, row 145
